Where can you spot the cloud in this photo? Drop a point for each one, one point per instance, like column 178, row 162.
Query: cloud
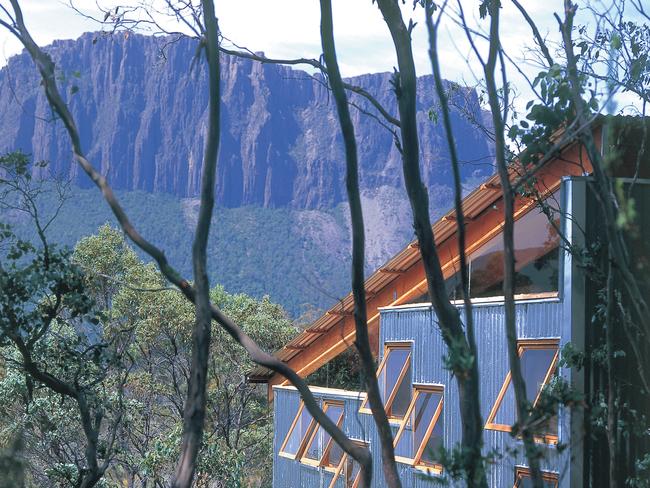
column 290, row 28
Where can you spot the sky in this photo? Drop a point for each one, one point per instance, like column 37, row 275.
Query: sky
column 290, row 28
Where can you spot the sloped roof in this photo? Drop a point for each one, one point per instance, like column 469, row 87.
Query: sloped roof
column 475, row 203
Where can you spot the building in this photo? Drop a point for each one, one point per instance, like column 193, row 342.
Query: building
column 555, row 303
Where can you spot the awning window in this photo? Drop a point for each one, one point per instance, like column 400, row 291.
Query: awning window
column 420, row 435
column 394, row 378
column 538, row 365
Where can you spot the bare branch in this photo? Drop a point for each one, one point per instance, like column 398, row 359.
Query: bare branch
column 538, row 37
column 498, row 123
column 473, row 425
column 362, row 341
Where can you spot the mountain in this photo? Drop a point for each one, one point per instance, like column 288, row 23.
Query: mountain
column 140, row 103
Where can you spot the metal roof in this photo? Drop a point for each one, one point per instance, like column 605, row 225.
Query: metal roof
column 478, row 200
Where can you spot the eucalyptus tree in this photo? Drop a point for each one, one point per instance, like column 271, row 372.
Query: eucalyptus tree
column 568, row 104
column 61, row 369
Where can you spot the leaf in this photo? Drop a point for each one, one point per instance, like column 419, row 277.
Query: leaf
column 483, row 9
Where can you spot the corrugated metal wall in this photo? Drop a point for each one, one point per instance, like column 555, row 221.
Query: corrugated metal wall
column 541, row 319
column 290, row 473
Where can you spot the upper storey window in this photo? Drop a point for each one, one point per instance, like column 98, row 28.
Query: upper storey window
column 303, row 425
column 309, row 442
column 420, row 435
column 321, row 449
column 348, row 472
column 394, row 378
column 537, row 260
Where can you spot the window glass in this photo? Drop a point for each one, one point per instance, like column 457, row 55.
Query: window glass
column 394, row 363
column 523, row 479
column 413, row 437
column 394, row 378
column 403, row 396
column 429, row 456
column 334, row 456
column 299, row 432
column 537, row 366
column 454, row 287
column 537, row 256
column 537, row 260
column 322, row 438
column 526, row 482
column 351, row 472
column 347, row 472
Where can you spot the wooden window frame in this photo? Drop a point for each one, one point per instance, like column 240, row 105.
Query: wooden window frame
column 302, row 445
column 416, row 460
column 522, row 345
column 521, row 472
column 339, row 469
column 313, row 438
column 452, row 266
column 388, row 346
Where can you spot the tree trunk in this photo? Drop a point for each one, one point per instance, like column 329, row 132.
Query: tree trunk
column 194, row 413
column 448, row 316
column 362, row 341
column 473, row 428
column 519, row 386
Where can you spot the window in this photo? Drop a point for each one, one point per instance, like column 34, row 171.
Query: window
column 303, row 424
column 538, row 364
column 308, row 441
column 522, row 478
column 348, row 470
column 321, row 450
column 394, row 378
column 537, row 260
column 420, row 435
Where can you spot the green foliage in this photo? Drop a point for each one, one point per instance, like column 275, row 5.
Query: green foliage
column 59, row 382
column 553, row 109
column 570, row 357
column 455, row 463
column 642, row 480
column 459, row 358
column 238, row 427
column 344, row 372
column 109, row 326
column 12, row 462
column 627, row 46
column 251, row 250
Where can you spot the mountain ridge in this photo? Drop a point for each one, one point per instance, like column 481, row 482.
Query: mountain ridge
column 281, row 224
column 142, row 117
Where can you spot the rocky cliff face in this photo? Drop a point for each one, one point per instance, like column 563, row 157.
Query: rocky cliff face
column 141, row 108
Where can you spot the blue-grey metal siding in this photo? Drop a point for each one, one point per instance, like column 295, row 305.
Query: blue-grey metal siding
column 289, row 473
column 536, row 319
column 541, row 319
